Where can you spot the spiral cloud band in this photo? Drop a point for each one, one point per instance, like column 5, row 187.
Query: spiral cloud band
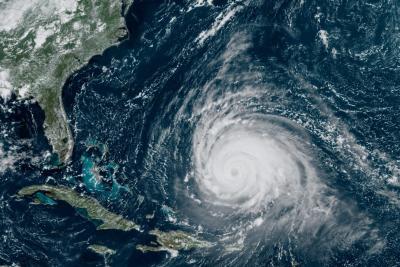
column 250, row 162
column 244, row 171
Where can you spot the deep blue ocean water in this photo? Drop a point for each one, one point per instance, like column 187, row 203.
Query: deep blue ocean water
column 330, row 67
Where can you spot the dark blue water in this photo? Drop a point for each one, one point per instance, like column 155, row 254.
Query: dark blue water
column 330, row 67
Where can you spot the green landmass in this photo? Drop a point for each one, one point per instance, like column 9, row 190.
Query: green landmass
column 51, row 41
column 87, row 206
column 101, row 250
column 173, row 241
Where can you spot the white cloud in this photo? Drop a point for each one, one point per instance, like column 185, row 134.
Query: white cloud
column 5, row 85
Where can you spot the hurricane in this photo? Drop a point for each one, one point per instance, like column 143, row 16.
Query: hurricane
column 251, row 172
column 242, row 155
column 246, row 163
column 213, row 133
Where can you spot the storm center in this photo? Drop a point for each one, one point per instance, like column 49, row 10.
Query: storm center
column 234, row 172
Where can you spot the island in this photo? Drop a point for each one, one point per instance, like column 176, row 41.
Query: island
column 101, row 250
column 173, row 241
column 89, row 207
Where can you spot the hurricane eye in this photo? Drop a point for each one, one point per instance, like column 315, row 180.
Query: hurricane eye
column 234, row 172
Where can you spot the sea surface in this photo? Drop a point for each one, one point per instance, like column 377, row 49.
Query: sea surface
column 269, row 129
